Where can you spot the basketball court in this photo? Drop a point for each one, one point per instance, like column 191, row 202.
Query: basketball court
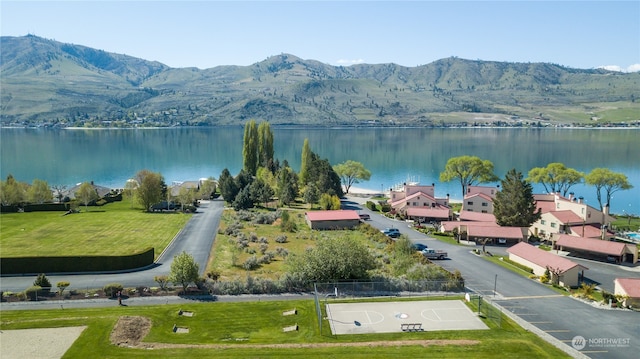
column 392, row 317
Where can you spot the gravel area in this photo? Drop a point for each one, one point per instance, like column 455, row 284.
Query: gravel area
column 46, row 343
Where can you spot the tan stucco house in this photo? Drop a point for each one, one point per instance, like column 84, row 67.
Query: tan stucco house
column 630, row 289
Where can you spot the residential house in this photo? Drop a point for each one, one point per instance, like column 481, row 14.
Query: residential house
column 571, row 216
column 100, row 190
column 629, row 288
column 562, row 270
column 339, row 219
column 419, row 203
column 479, row 199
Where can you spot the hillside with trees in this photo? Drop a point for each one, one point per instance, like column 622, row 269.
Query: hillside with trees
column 49, row 83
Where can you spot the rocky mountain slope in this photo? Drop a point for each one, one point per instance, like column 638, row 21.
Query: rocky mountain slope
column 49, row 82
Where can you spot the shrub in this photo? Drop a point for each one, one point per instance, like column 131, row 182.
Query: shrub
column 251, row 263
column 263, row 247
column 281, row 239
column 246, row 216
column 62, row 286
column 43, row 282
column 282, row 252
column 33, row 292
column 265, row 218
column 213, row 274
column 162, row 281
column 112, row 289
column 372, row 206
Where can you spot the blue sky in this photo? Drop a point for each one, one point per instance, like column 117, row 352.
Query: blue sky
column 204, row 34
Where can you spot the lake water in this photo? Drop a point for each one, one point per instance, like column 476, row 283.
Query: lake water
column 393, row 155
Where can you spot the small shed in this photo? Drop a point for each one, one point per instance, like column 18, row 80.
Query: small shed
column 630, row 288
column 568, row 273
column 339, row 219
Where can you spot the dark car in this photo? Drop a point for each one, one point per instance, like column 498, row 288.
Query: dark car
column 392, row 232
column 365, row 217
column 419, row 246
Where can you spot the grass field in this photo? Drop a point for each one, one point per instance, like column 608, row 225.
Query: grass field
column 255, row 329
column 112, row 229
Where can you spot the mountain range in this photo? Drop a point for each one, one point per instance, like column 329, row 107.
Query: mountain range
column 46, row 82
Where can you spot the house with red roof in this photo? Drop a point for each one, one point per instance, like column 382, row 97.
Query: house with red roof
column 488, row 232
column 598, row 249
column 479, row 199
column 340, row 219
column 418, row 202
column 563, row 271
column 629, row 288
column 571, row 216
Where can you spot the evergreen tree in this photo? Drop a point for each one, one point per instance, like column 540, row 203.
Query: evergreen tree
column 243, row 199
column 250, row 148
column 287, row 186
column 514, row 205
column 228, row 187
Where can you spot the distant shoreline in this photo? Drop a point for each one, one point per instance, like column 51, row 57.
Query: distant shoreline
column 345, row 127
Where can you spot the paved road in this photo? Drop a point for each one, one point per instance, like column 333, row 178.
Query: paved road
column 196, row 239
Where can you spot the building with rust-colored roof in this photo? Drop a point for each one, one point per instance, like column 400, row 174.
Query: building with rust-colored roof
column 598, row 249
column 340, row 219
column 418, row 202
column 563, row 271
column 630, row 289
column 562, row 215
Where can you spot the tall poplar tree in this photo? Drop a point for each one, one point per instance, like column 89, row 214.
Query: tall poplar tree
column 305, row 163
column 514, row 205
column 265, row 144
column 250, row 148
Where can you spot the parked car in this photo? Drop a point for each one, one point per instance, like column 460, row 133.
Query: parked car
column 392, row 232
column 434, row 254
column 365, row 216
column 419, row 246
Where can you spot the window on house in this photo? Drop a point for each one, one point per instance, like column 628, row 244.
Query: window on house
column 582, row 210
column 484, row 211
column 553, row 224
column 485, row 204
column 470, row 203
column 542, row 221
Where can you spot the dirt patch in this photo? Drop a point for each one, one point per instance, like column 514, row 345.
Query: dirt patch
column 130, row 331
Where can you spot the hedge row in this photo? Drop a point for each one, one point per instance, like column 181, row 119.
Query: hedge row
column 31, row 265
column 521, row 266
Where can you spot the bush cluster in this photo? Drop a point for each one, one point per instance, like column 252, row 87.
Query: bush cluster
column 112, row 289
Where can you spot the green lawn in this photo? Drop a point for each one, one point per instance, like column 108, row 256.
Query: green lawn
column 112, row 229
column 247, row 329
